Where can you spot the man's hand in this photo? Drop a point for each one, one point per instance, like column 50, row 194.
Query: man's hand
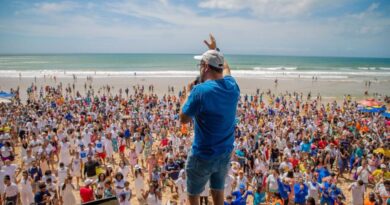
column 213, row 44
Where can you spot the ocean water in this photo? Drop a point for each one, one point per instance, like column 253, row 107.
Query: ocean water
column 183, row 65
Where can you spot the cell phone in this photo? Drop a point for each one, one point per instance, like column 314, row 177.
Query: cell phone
column 197, row 80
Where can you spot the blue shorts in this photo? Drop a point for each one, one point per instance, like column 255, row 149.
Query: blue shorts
column 199, row 171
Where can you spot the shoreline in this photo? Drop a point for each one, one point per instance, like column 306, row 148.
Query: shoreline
column 328, row 89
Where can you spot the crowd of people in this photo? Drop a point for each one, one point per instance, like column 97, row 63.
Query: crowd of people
column 61, row 147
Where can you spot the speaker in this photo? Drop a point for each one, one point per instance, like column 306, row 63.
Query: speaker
column 106, row 201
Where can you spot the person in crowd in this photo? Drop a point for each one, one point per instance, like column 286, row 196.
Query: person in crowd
column 272, row 143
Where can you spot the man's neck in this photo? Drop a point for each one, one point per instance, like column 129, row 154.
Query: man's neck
column 213, row 77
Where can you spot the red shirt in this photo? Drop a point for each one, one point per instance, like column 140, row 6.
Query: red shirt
column 164, row 142
column 294, row 162
column 86, row 194
column 322, row 144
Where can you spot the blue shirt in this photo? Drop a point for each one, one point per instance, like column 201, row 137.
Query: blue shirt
column 259, row 198
column 300, row 194
column 213, row 106
column 39, row 197
column 326, row 193
column 240, row 199
column 284, row 189
column 322, row 173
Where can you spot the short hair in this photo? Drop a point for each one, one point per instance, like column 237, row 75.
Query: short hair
column 42, row 185
column 311, row 201
column 218, row 70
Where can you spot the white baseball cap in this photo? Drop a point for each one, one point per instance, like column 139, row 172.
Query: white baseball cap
column 213, row 58
column 88, row 182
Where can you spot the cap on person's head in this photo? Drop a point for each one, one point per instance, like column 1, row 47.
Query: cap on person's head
column 242, row 186
column 212, row 58
column 383, row 166
column 88, row 182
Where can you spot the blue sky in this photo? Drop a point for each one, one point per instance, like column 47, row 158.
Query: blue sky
column 267, row 27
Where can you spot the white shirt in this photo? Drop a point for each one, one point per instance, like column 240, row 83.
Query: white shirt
column 313, row 190
column 99, row 146
column 28, row 160
column 124, row 171
column 272, row 182
column 287, row 152
column 62, row 174
column 138, row 146
column 261, row 166
column 64, row 148
column 228, row 184
column 5, row 151
column 285, row 165
column 11, row 190
column 357, row 194
column 10, row 170
column 35, row 145
column 181, row 184
column 363, row 175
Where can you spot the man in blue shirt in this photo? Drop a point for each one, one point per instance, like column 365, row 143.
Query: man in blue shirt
column 212, row 104
column 284, row 190
column 300, row 192
column 42, row 196
column 323, row 172
column 241, row 195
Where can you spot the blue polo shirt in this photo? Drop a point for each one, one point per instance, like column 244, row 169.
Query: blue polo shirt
column 213, row 106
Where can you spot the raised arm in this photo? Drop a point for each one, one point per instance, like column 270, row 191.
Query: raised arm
column 213, row 46
column 226, row 69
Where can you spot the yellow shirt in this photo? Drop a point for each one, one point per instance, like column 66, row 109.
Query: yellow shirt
column 302, row 167
column 378, row 173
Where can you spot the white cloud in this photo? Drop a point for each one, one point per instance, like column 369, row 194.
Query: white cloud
column 177, row 28
column 49, row 7
column 267, row 8
column 373, row 6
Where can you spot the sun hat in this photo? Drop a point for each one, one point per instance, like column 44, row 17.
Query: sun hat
column 213, row 58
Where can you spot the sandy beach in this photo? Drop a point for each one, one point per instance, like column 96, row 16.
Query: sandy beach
column 328, row 89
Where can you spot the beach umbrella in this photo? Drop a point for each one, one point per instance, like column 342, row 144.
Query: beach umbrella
column 5, row 94
column 370, row 102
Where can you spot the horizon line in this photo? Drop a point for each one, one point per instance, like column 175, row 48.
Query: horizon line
column 158, row 53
